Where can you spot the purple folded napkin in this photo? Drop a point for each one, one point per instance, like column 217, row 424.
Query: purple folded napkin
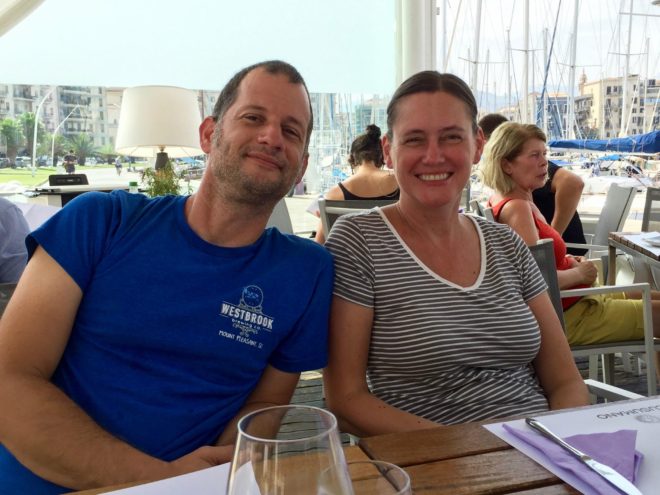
column 615, row 449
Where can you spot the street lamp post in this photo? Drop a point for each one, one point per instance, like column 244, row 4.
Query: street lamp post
column 52, row 147
column 36, row 126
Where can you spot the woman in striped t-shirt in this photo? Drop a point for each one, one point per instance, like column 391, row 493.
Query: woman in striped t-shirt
column 438, row 317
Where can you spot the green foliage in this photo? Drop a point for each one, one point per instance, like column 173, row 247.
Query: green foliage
column 12, row 135
column 161, row 182
column 107, row 152
column 27, row 122
column 82, row 146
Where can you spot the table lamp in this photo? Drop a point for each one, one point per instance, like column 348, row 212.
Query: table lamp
column 159, row 121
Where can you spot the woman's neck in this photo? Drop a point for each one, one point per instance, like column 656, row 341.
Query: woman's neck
column 366, row 168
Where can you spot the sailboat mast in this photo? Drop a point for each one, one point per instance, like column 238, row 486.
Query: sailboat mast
column 508, row 69
column 477, row 30
column 570, row 124
column 544, row 109
column 525, row 82
column 623, row 130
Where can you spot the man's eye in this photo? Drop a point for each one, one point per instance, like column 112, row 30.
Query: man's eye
column 453, row 138
column 412, row 140
column 292, row 132
column 252, row 117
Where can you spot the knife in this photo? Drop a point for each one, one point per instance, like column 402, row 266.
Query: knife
column 610, row 475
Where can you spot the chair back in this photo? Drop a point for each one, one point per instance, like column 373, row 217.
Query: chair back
column 614, row 213
column 651, row 217
column 67, row 180
column 488, row 213
column 280, row 218
column 477, row 208
column 544, row 254
column 332, row 209
column 6, row 290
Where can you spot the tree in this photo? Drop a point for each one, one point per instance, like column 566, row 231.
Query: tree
column 46, row 147
column 107, row 152
column 82, row 146
column 27, row 122
column 12, row 135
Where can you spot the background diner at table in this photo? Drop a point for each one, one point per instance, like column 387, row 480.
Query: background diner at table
column 438, row 317
column 514, row 166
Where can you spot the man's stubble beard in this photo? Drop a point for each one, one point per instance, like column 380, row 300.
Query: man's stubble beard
column 237, row 186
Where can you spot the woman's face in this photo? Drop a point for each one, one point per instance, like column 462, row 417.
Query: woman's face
column 432, row 148
column 529, row 170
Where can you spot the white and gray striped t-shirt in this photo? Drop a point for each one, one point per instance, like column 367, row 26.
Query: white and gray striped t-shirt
column 447, row 353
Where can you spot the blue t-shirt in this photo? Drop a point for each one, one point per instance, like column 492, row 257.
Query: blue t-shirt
column 173, row 333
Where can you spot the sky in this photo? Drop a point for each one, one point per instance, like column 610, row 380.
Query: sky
column 338, row 45
column 599, row 37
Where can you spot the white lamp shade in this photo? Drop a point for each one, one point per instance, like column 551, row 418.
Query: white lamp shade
column 155, row 118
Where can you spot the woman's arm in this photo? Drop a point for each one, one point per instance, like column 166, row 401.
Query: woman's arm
column 568, row 190
column 518, row 215
column 554, row 364
column 347, row 394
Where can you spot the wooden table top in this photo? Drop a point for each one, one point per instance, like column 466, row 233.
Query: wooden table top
column 463, row 459
column 352, row 453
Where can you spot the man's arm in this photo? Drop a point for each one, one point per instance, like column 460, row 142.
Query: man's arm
column 567, row 188
column 275, row 388
column 39, row 424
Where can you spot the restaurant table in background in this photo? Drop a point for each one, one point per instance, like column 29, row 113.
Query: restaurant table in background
column 61, row 195
column 635, row 244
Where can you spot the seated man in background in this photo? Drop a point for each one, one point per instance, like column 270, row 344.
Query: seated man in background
column 13, row 230
column 559, row 197
column 144, row 328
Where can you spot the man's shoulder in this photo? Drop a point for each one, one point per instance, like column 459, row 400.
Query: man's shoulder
column 295, row 246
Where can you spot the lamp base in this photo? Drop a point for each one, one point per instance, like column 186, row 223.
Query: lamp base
column 161, row 160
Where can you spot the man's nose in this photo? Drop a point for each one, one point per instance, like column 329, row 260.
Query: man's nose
column 270, row 134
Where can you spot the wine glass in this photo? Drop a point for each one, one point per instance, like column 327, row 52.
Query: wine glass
column 289, row 450
column 383, row 478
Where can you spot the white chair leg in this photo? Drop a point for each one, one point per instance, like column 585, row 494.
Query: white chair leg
column 593, row 366
column 608, row 368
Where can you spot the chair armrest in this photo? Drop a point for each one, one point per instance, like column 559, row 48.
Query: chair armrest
column 605, row 289
column 592, row 247
column 609, row 392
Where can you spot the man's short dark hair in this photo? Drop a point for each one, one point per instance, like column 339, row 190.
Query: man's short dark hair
column 490, row 122
column 229, row 93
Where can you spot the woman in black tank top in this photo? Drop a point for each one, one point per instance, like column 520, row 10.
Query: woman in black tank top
column 369, row 180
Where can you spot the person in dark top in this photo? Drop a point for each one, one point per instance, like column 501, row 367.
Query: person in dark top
column 369, row 180
column 557, row 199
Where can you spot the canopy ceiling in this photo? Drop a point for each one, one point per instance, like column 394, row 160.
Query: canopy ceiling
column 338, row 45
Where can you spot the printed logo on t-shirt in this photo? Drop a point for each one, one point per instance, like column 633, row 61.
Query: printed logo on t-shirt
column 247, row 317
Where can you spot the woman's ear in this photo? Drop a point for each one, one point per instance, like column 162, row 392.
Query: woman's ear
column 507, row 166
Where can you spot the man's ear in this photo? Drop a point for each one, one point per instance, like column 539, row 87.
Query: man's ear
column 387, row 150
column 206, row 130
column 303, row 169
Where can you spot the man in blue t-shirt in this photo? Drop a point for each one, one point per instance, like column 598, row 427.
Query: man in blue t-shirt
column 142, row 329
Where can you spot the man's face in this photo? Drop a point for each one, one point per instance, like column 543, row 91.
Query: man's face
column 257, row 151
